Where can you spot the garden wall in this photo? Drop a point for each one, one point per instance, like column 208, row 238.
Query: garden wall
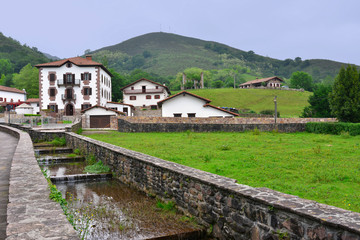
column 38, row 134
column 30, row 212
column 170, row 124
column 230, row 210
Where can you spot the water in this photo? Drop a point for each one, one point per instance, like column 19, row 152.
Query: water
column 112, row 210
column 62, row 169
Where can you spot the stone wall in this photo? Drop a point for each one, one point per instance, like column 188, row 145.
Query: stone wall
column 169, row 124
column 146, row 112
column 30, row 212
column 231, row 210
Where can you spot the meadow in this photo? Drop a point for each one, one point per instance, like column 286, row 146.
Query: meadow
column 324, row 168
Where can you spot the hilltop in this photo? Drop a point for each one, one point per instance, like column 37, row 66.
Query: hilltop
column 19, row 55
column 167, row 54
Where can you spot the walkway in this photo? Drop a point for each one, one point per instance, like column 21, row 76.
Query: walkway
column 7, row 148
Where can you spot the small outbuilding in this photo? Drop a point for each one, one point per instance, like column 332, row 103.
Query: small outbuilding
column 186, row 104
column 24, row 109
column 128, row 109
column 100, row 117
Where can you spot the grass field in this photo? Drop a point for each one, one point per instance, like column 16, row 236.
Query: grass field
column 290, row 103
column 324, row 168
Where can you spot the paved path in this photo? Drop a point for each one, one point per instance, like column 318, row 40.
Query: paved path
column 7, row 148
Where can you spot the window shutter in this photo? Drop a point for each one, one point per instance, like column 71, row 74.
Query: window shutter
column 48, row 106
column 82, row 106
column 73, row 78
column 64, row 76
column 89, row 76
column 56, row 108
column 82, row 76
column 90, row 91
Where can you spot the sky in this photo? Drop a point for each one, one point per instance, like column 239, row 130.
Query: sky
column 310, row 29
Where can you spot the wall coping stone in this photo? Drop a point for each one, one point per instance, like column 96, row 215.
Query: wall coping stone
column 30, row 213
column 322, row 213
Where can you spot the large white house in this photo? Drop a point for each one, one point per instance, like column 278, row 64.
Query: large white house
column 9, row 94
column 144, row 92
column 67, row 86
column 186, row 104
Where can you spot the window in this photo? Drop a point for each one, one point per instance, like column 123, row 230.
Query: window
column 132, row 88
column 53, row 108
column 148, row 96
column 132, row 97
column 52, row 77
column 85, row 106
column 52, row 92
column 86, row 76
column 177, row 114
column 157, row 87
column 69, row 78
column 87, row 91
column 157, row 96
column 125, row 110
column 153, row 107
column 143, row 89
column 191, row 114
column 1, row 99
column 68, row 65
column 69, row 93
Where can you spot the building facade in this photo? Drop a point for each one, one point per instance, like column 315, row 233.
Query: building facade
column 70, row 85
column 144, row 92
column 9, row 95
column 127, row 109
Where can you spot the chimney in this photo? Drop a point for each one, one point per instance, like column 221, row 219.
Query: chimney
column 88, row 57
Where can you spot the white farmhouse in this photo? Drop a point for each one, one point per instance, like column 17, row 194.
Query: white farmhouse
column 144, row 92
column 122, row 107
column 185, row 104
column 67, row 86
column 9, row 95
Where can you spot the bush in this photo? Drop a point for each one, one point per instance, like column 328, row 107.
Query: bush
column 58, row 142
column 32, row 115
column 333, row 128
column 269, row 112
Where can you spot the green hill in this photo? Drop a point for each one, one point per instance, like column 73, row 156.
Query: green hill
column 290, row 103
column 167, row 54
column 19, row 55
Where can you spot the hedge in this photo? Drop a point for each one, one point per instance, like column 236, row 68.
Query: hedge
column 333, row 128
column 32, row 115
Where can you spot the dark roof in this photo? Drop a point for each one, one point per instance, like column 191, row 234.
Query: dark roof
column 107, row 109
column 132, row 106
column 10, row 89
column 78, row 61
column 221, row 109
column 261, row 80
column 183, row 92
column 144, row 79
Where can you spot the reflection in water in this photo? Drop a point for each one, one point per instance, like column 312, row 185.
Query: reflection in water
column 114, row 211
column 62, row 169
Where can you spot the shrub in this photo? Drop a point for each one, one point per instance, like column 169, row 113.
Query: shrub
column 58, row 142
column 333, row 128
column 32, row 115
column 269, row 112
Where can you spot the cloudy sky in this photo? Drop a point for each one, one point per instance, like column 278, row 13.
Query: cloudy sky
column 327, row 29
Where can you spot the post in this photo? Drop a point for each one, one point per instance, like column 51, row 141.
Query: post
column 234, row 80
column 275, row 116
column 8, row 108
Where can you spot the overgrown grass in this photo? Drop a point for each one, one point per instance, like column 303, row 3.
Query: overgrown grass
column 325, row 168
column 58, row 142
column 98, row 167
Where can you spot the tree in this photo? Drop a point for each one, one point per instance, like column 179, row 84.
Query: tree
column 117, row 82
column 319, row 103
column 28, row 79
column 345, row 97
column 301, row 80
column 6, row 67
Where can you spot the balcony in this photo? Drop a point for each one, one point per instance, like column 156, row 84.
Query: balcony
column 148, row 90
column 68, row 97
column 61, row 82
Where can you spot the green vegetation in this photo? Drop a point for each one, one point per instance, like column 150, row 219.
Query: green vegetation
column 319, row 103
column 324, row 168
column 168, row 206
column 98, row 167
column 32, row 115
column 301, row 80
column 290, row 103
column 338, row 128
column 59, row 142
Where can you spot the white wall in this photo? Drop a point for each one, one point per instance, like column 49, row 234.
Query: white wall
column 120, row 107
column 141, row 97
column 36, row 108
column 16, row 97
column 105, row 87
column 99, row 111
column 24, row 110
column 185, row 104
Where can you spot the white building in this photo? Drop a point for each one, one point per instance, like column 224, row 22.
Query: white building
column 128, row 109
column 9, row 94
column 67, row 86
column 35, row 103
column 24, row 109
column 100, row 117
column 144, row 92
column 185, row 104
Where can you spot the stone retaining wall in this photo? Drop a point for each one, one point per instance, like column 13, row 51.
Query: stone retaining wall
column 170, row 124
column 30, row 212
column 232, row 210
column 38, row 134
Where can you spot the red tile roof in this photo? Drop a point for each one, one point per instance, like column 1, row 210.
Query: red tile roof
column 10, row 89
column 221, row 109
column 107, row 109
column 79, row 61
column 184, row 92
column 261, row 80
column 144, row 79
column 33, row 100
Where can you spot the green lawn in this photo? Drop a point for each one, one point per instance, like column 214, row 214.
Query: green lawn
column 325, row 168
column 290, row 103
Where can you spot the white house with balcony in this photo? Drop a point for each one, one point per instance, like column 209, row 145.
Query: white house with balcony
column 70, row 85
column 144, row 92
column 186, row 104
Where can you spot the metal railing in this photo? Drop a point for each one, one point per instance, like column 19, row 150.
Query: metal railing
column 61, row 82
column 150, row 90
column 72, row 97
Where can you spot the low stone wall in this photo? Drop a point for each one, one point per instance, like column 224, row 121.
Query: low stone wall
column 169, row 124
column 30, row 212
column 75, row 126
column 146, row 112
column 38, row 134
column 232, row 210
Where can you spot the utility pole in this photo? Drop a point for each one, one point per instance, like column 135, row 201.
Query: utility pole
column 275, row 102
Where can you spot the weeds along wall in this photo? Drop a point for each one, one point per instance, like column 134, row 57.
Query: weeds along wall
column 228, row 209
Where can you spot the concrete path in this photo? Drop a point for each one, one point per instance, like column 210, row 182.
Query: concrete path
column 8, row 144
